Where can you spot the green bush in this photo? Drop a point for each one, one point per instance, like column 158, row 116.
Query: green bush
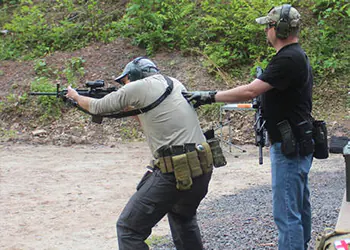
column 42, row 28
column 224, row 32
column 329, row 46
column 74, row 70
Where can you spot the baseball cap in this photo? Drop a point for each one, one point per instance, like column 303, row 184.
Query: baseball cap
column 144, row 64
column 275, row 14
column 124, row 73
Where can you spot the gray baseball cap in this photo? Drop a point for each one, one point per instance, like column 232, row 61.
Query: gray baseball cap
column 144, row 64
column 275, row 14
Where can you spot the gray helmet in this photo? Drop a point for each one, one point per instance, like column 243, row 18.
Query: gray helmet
column 138, row 69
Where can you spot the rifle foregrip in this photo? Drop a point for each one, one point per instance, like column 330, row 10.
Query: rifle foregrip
column 43, row 93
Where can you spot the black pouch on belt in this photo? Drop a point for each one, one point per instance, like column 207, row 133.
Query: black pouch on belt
column 306, row 144
column 320, row 137
column 288, row 139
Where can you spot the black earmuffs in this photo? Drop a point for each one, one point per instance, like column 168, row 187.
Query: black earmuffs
column 283, row 25
column 135, row 71
column 137, row 68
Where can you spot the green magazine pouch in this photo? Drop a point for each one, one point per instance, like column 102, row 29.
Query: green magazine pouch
column 218, row 156
column 194, row 164
column 182, row 172
column 205, row 157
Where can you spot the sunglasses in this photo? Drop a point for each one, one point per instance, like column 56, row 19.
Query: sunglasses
column 270, row 25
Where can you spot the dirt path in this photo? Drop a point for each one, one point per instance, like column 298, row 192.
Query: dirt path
column 70, row 197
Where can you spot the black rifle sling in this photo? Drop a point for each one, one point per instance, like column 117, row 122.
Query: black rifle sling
column 141, row 110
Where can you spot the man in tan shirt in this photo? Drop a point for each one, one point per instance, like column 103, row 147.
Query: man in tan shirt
column 171, row 123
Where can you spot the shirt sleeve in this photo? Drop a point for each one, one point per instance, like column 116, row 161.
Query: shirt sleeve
column 279, row 73
column 115, row 101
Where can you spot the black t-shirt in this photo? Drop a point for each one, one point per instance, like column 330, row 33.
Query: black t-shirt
column 290, row 73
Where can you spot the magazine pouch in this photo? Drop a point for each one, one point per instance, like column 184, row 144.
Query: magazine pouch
column 319, row 134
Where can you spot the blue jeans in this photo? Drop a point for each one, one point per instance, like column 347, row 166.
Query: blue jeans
column 291, row 198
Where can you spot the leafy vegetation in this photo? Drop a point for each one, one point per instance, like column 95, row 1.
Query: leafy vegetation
column 39, row 29
column 223, row 31
column 50, row 107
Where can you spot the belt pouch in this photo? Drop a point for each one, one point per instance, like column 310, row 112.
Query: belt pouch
column 218, row 156
column 192, row 159
column 288, row 139
column 205, row 157
column 306, row 144
column 182, row 172
column 320, row 137
column 193, row 162
column 165, row 163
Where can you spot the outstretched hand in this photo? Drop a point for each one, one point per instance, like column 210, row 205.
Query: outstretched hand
column 198, row 98
column 71, row 93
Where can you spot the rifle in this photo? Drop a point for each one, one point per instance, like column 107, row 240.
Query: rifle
column 259, row 125
column 95, row 90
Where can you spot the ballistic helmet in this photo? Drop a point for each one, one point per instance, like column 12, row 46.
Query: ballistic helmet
column 138, row 68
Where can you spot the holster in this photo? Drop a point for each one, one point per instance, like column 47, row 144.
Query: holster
column 319, row 135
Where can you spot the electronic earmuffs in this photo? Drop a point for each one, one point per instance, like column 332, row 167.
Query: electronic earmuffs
column 283, row 24
column 136, row 71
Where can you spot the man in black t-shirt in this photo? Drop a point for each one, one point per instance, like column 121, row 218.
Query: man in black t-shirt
column 286, row 86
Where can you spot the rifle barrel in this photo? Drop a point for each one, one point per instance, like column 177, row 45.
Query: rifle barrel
column 260, row 155
column 43, row 93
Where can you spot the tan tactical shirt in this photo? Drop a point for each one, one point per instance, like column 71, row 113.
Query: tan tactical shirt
column 172, row 122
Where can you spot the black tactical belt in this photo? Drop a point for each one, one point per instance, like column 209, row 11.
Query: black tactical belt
column 175, row 149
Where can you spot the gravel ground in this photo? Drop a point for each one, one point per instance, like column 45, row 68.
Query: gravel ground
column 244, row 220
column 59, row 198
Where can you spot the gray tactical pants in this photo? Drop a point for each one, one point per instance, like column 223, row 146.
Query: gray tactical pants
column 157, row 196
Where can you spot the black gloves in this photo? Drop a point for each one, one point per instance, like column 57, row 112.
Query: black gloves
column 200, row 97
